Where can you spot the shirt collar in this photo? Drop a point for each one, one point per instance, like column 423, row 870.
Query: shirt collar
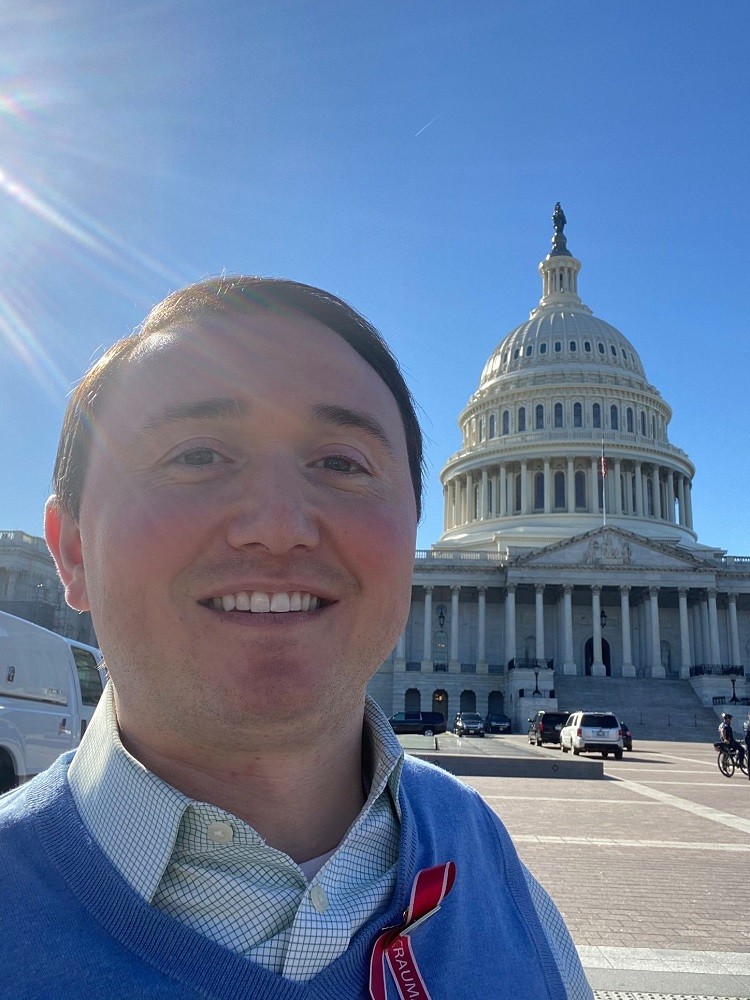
column 135, row 817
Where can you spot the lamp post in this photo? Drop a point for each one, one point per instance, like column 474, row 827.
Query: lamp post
column 537, row 692
column 603, row 618
column 733, row 699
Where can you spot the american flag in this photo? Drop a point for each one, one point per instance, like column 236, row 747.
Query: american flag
column 603, row 466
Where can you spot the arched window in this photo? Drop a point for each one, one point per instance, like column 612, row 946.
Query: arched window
column 492, row 425
column 559, row 414
column 643, row 424
column 559, row 484
column 412, row 700
column 596, row 415
column 539, row 417
column 580, row 483
column 468, row 702
column 538, row 491
column 577, row 415
column 614, row 418
column 506, row 422
column 521, row 418
column 629, row 418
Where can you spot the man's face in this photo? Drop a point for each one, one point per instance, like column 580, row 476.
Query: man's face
column 247, row 527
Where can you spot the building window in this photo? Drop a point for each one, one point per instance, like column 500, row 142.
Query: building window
column 580, row 485
column 559, row 414
column 538, row 491
column 577, row 415
column 492, row 425
column 558, row 346
column 521, row 418
column 529, row 350
column 516, row 353
column 596, row 415
column 542, row 348
column 559, row 484
column 614, row 419
column 573, row 346
column 506, row 422
column 539, row 417
column 629, row 418
column 601, row 348
column 613, row 349
column 587, row 346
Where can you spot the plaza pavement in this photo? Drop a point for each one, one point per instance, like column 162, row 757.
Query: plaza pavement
column 646, row 863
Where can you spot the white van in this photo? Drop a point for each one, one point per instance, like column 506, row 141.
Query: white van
column 49, row 688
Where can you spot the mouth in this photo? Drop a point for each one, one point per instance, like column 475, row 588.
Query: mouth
column 263, row 602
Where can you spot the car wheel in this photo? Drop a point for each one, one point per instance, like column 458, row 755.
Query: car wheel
column 539, row 740
column 563, row 748
column 605, row 753
column 429, row 732
column 618, row 754
column 576, row 751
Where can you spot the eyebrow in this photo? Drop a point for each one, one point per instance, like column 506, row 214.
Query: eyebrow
column 220, row 408
column 341, row 416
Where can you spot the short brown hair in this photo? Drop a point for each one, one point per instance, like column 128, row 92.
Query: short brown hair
column 234, row 295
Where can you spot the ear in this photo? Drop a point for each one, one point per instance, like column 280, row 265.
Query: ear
column 64, row 541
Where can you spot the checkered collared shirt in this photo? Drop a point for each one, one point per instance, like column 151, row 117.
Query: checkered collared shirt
column 213, row 872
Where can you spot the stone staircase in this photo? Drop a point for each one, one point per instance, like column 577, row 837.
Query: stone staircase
column 653, row 709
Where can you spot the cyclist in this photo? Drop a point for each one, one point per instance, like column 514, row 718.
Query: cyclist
column 726, row 736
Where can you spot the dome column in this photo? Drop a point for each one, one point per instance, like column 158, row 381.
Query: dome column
column 656, row 491
column 524, row 487
column 547, row 487
column 496, row 493
column 681, row 498
column 670, row 496
column 594, row 481
column 684, row 633
column 570, row 486
column 617, row 488
column 503, row 490
column 689, row 503
column 483, row 495
column 628, row 668
column 638, row 489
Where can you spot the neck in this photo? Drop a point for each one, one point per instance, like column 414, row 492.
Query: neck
column 301, row 795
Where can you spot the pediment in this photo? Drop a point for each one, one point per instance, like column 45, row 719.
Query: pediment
column 610, row 548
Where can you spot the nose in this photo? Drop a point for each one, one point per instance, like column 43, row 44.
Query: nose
column 275, row 510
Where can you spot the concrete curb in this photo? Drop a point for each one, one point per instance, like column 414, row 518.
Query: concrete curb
column 485, row 766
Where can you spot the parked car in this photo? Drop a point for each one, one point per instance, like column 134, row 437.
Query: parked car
column 592, row 732
column 421, row 723
column 545, row 726
column 468, row 724
column 627, row 736
column 49, row 688
column 497, row 724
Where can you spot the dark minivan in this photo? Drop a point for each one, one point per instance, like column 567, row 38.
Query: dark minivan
column 422, row 723
column 545, row 727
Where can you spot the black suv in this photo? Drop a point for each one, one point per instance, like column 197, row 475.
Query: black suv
column 545, row 727
column 422, row 723
column 468, row 724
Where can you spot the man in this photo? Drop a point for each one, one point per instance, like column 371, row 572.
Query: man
column 236, row 497
column 726, row 735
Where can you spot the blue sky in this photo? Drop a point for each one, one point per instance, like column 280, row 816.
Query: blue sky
column 404, row 155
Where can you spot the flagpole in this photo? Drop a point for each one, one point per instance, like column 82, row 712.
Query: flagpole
column 604, row 487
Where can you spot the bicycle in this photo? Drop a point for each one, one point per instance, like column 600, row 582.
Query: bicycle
column 729, row 759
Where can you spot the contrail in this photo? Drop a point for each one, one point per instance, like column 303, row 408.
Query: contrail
column 426, row 126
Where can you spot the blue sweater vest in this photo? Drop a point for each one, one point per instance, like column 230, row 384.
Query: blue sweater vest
column 73, row 929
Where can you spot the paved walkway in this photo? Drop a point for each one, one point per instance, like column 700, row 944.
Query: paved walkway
column 641, row 863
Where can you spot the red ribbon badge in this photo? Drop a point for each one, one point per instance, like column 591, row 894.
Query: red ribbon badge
column 393, row 948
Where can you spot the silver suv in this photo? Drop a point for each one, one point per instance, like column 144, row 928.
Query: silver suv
column 592, row 732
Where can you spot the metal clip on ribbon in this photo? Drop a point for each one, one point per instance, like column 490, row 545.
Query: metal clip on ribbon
column 393, row 948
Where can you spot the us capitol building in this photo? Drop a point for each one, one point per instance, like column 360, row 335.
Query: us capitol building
column 568, row 552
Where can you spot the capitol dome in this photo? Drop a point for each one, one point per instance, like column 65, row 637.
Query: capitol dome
column 560, row 391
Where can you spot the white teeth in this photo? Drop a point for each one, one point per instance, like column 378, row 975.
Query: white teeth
column 259, row 601
column 280, row 602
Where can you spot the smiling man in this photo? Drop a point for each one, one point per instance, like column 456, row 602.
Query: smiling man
column 236, row 497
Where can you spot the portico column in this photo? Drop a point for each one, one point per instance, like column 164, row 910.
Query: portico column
column 481, row 619
column 453, row 665
column 503, row 508
column 510, row 622
column 639, row 489
column 597, row 667
column 539, row 619
column 618, row 487
column 684, row 633
column 483, row 496
column 427, row 630
column 628, row 667
column 713, row 627
column 524, row 487
column 681, row 497
column 547, row 488
column 705, row 631
column 569, row 664
column 657, row 670
column 570, row 487
column 401, row 648
column 734, row 636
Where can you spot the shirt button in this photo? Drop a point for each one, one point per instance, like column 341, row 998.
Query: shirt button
column 220, row 833
column 319, row 899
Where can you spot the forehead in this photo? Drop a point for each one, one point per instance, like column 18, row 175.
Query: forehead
column 285, row 361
